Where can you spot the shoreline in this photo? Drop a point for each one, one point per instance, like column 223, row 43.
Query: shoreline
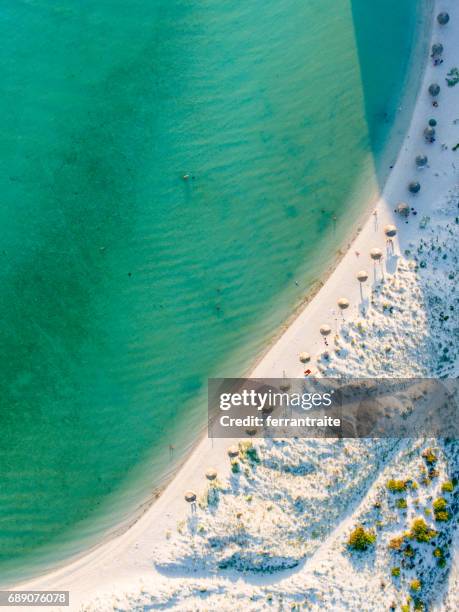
column 281, row 354
column 389, row 158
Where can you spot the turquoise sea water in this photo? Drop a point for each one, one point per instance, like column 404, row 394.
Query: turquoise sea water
column 124, row 287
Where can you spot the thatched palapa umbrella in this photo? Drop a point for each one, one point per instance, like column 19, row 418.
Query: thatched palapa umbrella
column 233, row 451
column 434, row 89
column 267, row 409
column 437, row 49
column 376, row 255
column 343, row 304
column 429, row 133
column 390, row 230
column 443, row 18
column 362, row 277
column 403, row 209
column 421, row 161
column 211, row 474
column 305, row 357
column 190, row 496
column 414, row 187
column 325, row 330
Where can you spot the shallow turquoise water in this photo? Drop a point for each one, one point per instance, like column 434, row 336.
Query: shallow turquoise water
column 124, row 287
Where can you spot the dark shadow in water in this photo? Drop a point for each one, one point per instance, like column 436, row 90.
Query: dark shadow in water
column 376, row 34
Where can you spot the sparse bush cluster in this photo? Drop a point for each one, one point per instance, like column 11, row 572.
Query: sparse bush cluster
column 429, row 456
column 252, row 455
column 361, row 538
column 235, row 466
column 396, row 486
column 396, row 543
column 447, row 487
column 247, row 451
column 420, row 531
column 439, row 554
column 440, row 508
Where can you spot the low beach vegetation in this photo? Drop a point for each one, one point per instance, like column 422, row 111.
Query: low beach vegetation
column 420, row 531
column 361, row 539
column 396, row 486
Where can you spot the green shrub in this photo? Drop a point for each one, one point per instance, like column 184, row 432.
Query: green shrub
column 395, row 571
column 442, row 516
column 252, row 455
column 420, row 531
column 440, row 509
column 235, row 467
column 429, row 456
column 409, row 551
column 447, row 487
column 361, row 538
column 396, row 486
column 452, row 78
column 248, row 451
column 438, row 552
column 396, row 543
column 439, row 504
column 415, row 585
column 401, row 503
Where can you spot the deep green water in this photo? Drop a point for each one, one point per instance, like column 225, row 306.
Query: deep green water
column 122, row 287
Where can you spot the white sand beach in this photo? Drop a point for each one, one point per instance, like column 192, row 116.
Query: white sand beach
column 281, row 538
